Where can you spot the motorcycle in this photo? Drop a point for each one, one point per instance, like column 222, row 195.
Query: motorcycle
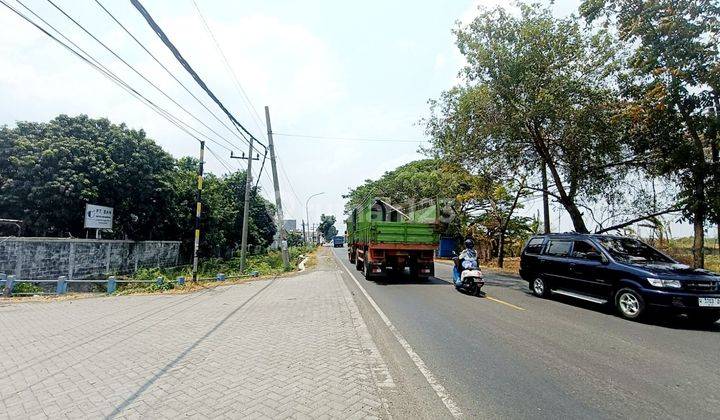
column 467, row 276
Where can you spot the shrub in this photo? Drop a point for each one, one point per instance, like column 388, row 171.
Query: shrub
column 26, row 288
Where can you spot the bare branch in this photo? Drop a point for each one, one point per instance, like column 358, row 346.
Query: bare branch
column 639, row 219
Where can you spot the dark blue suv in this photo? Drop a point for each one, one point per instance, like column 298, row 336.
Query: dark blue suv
column 625, row 272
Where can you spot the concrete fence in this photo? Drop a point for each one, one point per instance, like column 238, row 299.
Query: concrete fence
column 51, row 258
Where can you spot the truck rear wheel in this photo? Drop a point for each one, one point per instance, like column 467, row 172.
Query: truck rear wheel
column 366, row 269
column 358, row 263
column 351, row 256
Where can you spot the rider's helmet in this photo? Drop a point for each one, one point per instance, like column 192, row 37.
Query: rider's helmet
column 469, row 243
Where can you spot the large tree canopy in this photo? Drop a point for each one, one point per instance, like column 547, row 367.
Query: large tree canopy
column 49, row 171
column 327, row 227
column 538, row 93
column 672, row 87
column 476, row 205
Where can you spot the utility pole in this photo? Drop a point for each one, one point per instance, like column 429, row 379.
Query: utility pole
column 198, row 210
column 307, row 214
column 304, row 236
column 246, row 206
column 546, row 201
column 282, row 241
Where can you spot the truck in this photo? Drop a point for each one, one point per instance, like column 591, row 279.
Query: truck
column 383, row 240
column 338, row 241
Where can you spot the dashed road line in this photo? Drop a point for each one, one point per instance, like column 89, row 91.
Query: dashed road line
column 504, row 303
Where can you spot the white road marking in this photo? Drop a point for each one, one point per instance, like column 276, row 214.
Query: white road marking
column 422, row 367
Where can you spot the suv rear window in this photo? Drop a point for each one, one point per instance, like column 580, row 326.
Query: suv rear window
column 558, row 248
column 534, row 246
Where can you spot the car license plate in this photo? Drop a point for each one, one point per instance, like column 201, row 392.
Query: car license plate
column 709, row 302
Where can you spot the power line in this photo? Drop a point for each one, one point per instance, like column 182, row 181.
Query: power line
column 248, row 103
column 159, row 32
column 94, row 63
column 167, row 70
column 380, row 140
column 287, row 179
column 262, row 166
column 110, row 50
column 222, row 161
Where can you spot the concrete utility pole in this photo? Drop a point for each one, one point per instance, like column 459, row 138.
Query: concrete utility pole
column 198, row 210
column 282, row 240
column 246, row 206
column 546, row 201
column 304, row 236
column 307, row 215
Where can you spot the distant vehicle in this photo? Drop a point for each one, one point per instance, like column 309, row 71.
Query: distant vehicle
column 625, row 272
column 338, row 241
column 383, row 240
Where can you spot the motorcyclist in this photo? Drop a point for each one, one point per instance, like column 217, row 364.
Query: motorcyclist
column 468, row 256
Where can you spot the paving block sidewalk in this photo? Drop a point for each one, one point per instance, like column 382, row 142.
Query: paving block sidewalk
column 294, row 347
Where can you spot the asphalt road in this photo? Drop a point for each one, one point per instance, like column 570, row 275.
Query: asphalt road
column 512, row 355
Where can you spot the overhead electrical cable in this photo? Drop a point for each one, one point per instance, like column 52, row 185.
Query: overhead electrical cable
column 248, row 103
column 287, row 179
column 233, row 132
column 90, row 60
column 222, row 161
column 380, row 140
column 156, row 28
column 261, row 170
column 110, row 50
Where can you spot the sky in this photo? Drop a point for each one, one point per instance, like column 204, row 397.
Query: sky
column 341, row 70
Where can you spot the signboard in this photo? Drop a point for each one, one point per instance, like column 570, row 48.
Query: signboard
column 98, row 217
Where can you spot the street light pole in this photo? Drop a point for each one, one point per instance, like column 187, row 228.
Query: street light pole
column 307, row 214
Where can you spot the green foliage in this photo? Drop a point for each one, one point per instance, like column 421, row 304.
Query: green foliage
column 537, row 92
column 295, row 239
column 327, row 227
column 672, row 89
column 480, row 205
column 267, row 263
column 49, row 171
column 26, row 288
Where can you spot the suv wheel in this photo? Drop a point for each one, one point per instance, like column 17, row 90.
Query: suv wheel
column 539, row 287
column 629, row 304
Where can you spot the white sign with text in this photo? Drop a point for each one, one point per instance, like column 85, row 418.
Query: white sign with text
column 98, row 217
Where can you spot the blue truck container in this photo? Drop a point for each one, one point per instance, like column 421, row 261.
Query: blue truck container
column 447, row 246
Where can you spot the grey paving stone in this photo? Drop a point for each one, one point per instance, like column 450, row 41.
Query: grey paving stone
column 288, row 348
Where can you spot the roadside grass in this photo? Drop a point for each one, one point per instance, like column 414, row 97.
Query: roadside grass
column 259, row 266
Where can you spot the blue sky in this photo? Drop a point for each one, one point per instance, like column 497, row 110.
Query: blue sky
column 325, row 68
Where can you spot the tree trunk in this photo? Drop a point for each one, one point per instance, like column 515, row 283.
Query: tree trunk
column 566, row 200
column 698, row 243
column 545, row 200
column 698, row 220
column 501, row 249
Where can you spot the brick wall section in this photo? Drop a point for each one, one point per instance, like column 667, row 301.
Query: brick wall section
column 49, row 258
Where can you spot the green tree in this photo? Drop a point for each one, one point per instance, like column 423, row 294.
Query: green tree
column 538, row 93
column 327, row 227
column 49, row 171
column 672, row 85
column 471, row 203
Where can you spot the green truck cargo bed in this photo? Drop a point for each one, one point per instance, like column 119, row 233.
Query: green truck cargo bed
column 397, row 233
column 377, row 222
